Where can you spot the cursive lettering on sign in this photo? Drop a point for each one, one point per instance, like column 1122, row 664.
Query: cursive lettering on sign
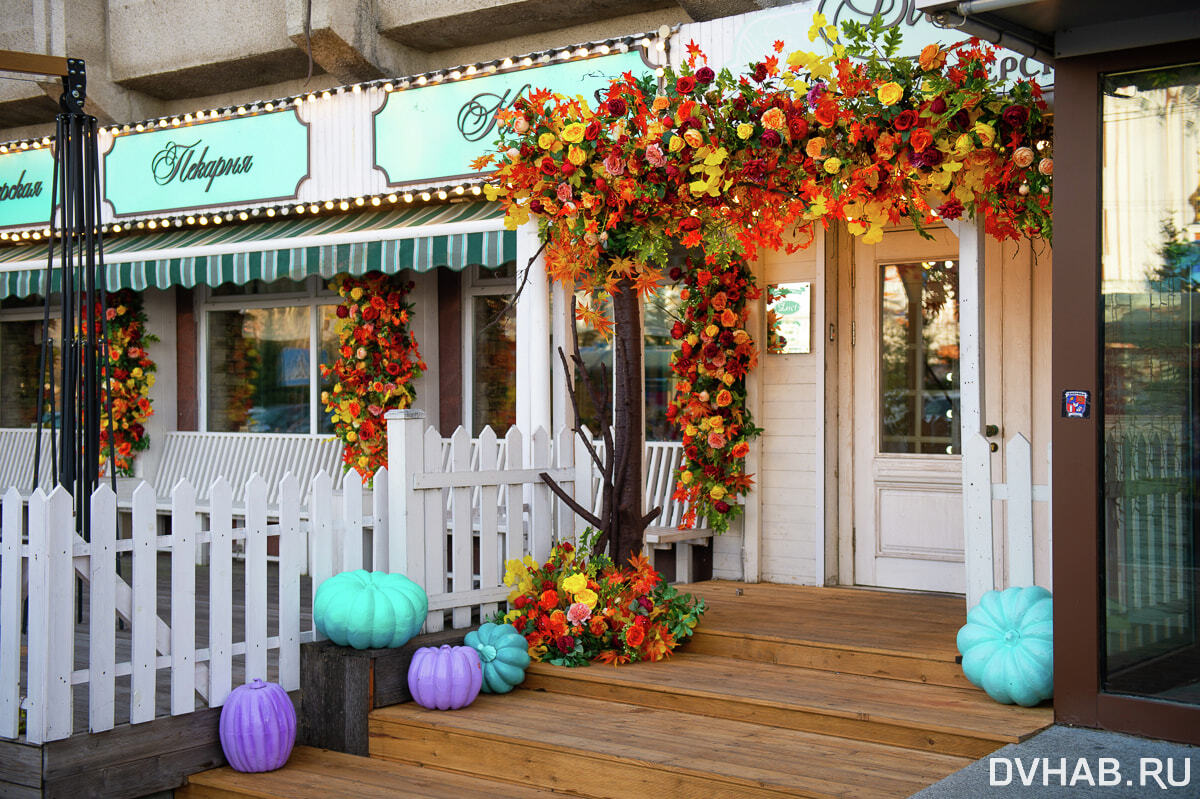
column 20, row 190
column 186, row 162
column 477, row 116
column 894, row 12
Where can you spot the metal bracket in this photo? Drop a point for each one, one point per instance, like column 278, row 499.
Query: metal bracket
column 74, row 87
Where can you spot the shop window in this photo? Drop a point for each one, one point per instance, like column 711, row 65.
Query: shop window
column 490, row 363
column 20, row 363
column 919, row 396
column 263, row 344
column 1150, row 292
column 659, row 314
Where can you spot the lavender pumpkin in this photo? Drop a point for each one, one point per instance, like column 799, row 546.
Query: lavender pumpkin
column 258, row 727
column 445, row 678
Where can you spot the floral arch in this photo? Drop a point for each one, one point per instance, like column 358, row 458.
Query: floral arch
column 730, row 164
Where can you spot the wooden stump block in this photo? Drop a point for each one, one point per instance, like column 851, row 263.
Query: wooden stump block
column 340, row 686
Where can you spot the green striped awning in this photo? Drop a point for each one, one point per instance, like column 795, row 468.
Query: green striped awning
column 421, row 239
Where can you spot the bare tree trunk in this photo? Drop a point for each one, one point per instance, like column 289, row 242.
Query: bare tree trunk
column 628, row 424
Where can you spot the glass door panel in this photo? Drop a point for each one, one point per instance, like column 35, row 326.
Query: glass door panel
column 1150, row 278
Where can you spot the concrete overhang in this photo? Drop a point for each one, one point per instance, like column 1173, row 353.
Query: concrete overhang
column 1066, row 28
column 432, row 25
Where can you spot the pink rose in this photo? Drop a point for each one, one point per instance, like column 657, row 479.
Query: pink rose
column 578, row 613
column 614, row 164
column 564, row 193
column 654, row 155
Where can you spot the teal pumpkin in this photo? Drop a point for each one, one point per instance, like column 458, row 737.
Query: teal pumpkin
column 1007, row 645
column 504, row 654
column 369, row 610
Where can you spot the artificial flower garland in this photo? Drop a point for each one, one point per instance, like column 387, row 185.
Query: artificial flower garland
column 709, row 407
column 573, row 611
column 731, row 164
column 377, row 361
column 132, row 377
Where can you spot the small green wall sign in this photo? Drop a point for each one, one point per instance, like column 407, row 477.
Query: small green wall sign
column 238, row 160
column 26, row 184
column 435, row 132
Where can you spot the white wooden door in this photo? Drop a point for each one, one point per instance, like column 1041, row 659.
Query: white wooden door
column 907, row 467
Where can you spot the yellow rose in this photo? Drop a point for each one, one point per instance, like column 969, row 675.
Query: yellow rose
column 587, row 596
column 833, row 165
column 137, row 371
column 745, row 130
column 676, row 144
column 686, row 477
column 575, row 583
column 727, row 379
column 889, row 93
column 573, row 132
column 717, row 493
column 356, row 293
column 351, row 436
column 711, row 331
column 693, row 137
column 986, row 133
column 546, row 141
column 576, row 155
column 690, row 430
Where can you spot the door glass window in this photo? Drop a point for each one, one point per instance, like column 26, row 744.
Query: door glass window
column 1150, row 259
column 919, row 397
column 259, row 380
column 493, row 387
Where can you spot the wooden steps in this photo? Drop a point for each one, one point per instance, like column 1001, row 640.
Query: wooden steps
column 928, row 717
column 319, row 774
column 784, row 691
column 607, row 751
column 888, row 634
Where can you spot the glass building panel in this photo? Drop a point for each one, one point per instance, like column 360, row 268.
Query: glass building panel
column 494, row 370
column 259, row 370
column 918, row 377
column 1150, row 261
column 20, row 362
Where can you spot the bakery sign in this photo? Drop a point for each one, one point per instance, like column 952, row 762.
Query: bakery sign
column 259, row 158
column 26, row 183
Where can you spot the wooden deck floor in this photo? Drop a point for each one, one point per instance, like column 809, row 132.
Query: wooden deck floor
column 163, row 688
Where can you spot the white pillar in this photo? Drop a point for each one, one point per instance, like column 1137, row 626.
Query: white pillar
column 533, row 335
column 976, row 452
column 561, row 324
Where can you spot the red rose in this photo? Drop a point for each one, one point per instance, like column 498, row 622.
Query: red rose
column 685, row 85
column 592, row 130
column 826, row 113
column 568, row 168
column 342, row 311
column 905, row 119
column 798, row 127
column 617, row 107
column 677, row 330
column 938, row 106
column 690, row 223
column 722, row 506
column 771, row 139
column 705, row 75
column 548, row 166
column 760, row 72
column 952, row 209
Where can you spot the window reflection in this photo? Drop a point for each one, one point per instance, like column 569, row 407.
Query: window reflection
column 919, row 358
column 493, row 384
column 20, row 363
column 1151, row 332
column 260, row 370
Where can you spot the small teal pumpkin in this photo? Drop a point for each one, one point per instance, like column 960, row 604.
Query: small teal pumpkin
column 1007, row 645
column 369, row 610
column 504, row 653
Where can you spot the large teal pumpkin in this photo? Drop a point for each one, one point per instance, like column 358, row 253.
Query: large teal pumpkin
column 1007, row 645
column 369, row 610
column 504, row 654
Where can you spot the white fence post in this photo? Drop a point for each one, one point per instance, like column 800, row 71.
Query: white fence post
column 404, row 512
column 144, row 603
column 220, row 592
column 489, row 522
column 183, row 598
column 379, row 512
column 351, row 522
column 37, row 637
column 102, row 611
column 541, row 522
column 1018, row 458
column 10, row 613
column 256, row 578
column 290, row 557
column 320, row 515
column 430, row 513
column 584, row 470
column 460, row 534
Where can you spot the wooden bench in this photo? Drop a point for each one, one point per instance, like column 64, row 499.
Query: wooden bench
column 662, row 460
column 16, row 459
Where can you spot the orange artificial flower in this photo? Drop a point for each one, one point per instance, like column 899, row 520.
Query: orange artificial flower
column 634, row 636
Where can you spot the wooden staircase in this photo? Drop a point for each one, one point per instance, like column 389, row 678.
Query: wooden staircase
column 784, row 691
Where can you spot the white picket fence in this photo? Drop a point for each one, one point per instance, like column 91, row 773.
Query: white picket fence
column 458, row 515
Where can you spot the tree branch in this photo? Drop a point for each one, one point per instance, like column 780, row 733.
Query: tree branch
column 561, row 493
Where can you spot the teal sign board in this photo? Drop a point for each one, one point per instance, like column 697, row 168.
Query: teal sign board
column 26, row 183
column 238, row 160
column 435, row 132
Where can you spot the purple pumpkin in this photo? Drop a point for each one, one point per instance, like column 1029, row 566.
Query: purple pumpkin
column 258, row 727
column 446, row 677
